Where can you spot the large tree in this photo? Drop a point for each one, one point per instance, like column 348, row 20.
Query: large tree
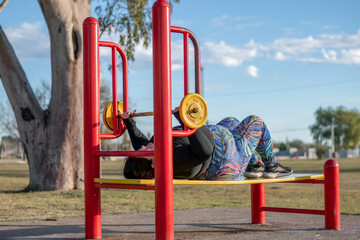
column 346, row 126
column 53, row 137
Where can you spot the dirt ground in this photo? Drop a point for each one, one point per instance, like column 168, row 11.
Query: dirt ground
column 212, row 223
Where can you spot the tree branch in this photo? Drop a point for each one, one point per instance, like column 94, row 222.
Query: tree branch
column 15, row 82
column 3, row 4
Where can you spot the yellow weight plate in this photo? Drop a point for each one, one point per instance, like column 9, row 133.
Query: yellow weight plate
column 193, row 110
column 108, row 114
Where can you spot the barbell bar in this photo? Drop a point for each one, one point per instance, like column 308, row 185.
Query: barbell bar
column 193, row 111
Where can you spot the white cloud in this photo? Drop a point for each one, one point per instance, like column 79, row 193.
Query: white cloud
column 344, row 56
column 334, row 48
column 296, row 45
column 340, row 40
column 350, row 56
column 236, row 22
column 230, row 56
column 324, row 48
column 30, row 40
column 279, row 56
column 329, row 55
column 143, row 59
column 252, row 71
column 310, row 59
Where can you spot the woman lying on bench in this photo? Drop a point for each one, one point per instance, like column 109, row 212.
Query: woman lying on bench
column 224, row 151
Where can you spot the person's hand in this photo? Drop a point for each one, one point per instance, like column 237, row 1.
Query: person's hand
column 126, row 115
column 176, row 109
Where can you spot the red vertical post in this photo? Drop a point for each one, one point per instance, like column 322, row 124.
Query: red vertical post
column 114, row 90
column 186, row 63
column 257, row 202
column 164, row 210
column 332, row 195
column 91, row 128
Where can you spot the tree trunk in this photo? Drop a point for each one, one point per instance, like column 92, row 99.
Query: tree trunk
column 53, row 138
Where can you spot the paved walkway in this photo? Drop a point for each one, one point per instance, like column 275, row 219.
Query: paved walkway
column 214, row 223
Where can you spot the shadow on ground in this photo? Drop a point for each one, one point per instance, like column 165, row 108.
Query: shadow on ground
column 214, row 223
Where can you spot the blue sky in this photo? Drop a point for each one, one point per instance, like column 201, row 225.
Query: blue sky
column 280, row 60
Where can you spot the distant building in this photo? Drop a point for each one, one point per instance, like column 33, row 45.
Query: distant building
column 11, row 148
column 348, row 153
column 282, row 154
column 310, row 153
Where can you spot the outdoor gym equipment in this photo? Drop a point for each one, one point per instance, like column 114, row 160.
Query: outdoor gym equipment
column 193, row 112
column 163, row 132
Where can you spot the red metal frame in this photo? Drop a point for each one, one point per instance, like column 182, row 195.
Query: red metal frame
column 332, row 195
column 331, row 199
column 164, row 210
column 91, row 128
column 162, row 118
column 257, row 203
column 118, row 126
column 124, row 186
column 162, row 131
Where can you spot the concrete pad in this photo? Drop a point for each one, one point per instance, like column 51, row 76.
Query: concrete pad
column 209, row 223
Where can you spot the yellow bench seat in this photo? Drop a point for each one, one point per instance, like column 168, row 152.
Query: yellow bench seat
column 243, row 180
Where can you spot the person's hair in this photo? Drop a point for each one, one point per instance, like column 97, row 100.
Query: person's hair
column 138, row 168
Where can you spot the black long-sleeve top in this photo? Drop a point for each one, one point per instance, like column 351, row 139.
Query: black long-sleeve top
column 191, row 155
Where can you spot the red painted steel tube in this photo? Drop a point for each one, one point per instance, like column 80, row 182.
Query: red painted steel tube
column 188, row 34
column 164, row 209
column 125, row 153
column 257, row 203
column 332, row 195
column 185, row 133
column 313, row 181
column 110, row 136
column 124, row 69
column 293, row 210
column 196, row 54
column 114, row 90
column 119, row 128
column 125, row 186
column 186, row 64
column 91, row 128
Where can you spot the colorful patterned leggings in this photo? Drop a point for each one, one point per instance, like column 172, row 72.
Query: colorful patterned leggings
column 235, row 145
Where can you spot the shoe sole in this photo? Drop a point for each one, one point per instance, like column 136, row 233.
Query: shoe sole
column 276, row 175
column 253, row 175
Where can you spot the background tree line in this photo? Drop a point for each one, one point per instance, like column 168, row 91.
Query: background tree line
column 346, row 125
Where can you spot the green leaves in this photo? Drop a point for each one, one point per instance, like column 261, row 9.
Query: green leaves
column 129, row 18
column 346, row 126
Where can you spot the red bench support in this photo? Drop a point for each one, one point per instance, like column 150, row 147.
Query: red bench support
column 331, row 199
column 258, row 203
column 332, row 195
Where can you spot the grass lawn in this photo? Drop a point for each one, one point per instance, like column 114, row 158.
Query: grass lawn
column 16, row 205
